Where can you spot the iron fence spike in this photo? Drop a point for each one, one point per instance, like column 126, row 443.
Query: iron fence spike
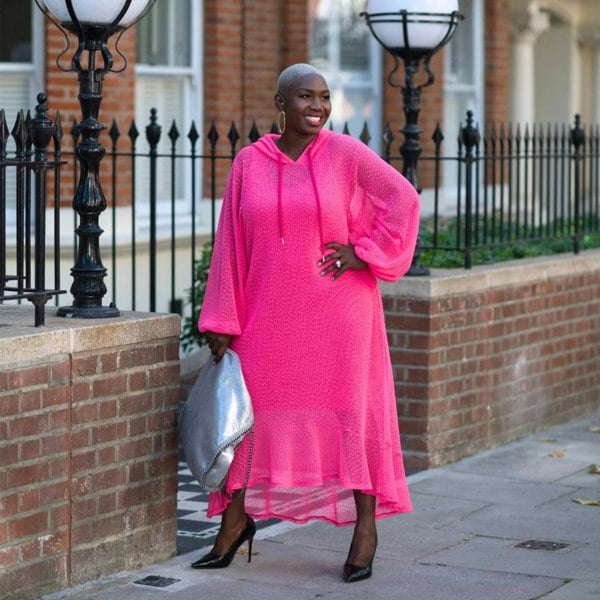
column 4, row 133
column 173, row 133
column 365, row 136
column 58, row 129
column 193, row 135
column 233, row 135
column 133, row 132
column 254, row 132
column 213, row 135
column 438, row 136
column 113, row 133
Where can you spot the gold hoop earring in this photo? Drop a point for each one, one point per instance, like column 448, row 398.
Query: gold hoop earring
column 281, row 127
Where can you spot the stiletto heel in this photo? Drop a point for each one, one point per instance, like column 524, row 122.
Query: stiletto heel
column 250, row 540
column 220, row 561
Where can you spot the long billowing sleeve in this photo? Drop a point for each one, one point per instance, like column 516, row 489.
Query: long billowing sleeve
column 385, row 216
column 224, row 306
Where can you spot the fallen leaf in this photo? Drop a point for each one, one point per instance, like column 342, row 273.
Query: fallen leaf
column 595, row 428
column 594, row 469
column 587, row 502
column 557, row 453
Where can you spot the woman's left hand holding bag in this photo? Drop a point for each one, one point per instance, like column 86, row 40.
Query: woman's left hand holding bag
column 218, row 343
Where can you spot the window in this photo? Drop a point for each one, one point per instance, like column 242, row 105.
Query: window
column 168, row 78
column 21, row 66
column 346, row 53
column 463, row 80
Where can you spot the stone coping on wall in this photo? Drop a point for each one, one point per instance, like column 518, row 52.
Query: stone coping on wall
column 444, row 282
column 65, row 335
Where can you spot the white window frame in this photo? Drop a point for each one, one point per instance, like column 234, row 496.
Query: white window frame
column 35, row 73
column 455, row 115
column 349, row 80
column 192, row 103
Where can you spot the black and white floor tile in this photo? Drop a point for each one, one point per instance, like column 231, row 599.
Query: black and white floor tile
column 194, row 529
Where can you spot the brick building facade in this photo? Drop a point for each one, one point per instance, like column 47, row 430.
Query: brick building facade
column 501, row 64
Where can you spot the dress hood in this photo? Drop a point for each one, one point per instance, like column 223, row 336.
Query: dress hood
column 267, row 146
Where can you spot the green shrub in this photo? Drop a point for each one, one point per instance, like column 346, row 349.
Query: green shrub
column 191, row 337
column 435, row 259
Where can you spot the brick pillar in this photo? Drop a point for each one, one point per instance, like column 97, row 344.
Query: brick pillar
column 88, row 447
column 247, row 44
column 497, row 62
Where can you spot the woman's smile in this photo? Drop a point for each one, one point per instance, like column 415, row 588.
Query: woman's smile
column 313, row 120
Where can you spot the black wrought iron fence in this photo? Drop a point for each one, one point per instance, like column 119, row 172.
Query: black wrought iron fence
column 23, row 219
column 518, row 185
column 499, row 187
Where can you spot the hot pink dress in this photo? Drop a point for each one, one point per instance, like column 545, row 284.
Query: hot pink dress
column 314, row 351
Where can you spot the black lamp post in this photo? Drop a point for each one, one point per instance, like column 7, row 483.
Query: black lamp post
column 93, row 23
column 408, row 31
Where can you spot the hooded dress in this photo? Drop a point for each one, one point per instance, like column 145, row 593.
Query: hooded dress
column 314, row 351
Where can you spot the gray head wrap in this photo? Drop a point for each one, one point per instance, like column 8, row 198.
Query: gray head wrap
column 290, row 75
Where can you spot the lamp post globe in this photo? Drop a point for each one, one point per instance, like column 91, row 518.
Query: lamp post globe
column 96, row 12
column 93, row 22
column 426, row 24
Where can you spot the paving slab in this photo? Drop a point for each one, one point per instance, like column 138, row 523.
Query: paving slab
column 576, row 590
column 477, row 487
column 572, row 562
column 535, row 522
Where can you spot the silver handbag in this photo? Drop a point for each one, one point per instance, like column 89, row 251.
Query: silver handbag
column 214, row 419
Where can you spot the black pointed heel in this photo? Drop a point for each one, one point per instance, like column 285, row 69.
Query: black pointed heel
column 353, row 573
column 220, row 561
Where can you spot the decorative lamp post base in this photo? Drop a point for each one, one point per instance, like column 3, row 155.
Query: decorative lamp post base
column 88, row 312
column 418, row 271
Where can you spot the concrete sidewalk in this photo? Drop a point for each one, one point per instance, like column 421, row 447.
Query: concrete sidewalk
column 460, row 543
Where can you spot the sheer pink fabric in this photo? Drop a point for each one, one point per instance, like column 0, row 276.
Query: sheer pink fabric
column 314, row 351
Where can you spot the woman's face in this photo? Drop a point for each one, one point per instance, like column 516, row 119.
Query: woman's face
column 307, row 105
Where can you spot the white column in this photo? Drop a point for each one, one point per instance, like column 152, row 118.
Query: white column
column 589, row 38
column 596, row 88
column 526, row 27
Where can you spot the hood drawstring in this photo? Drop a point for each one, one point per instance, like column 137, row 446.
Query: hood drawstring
column 313, row 180
column 318, row 200
column 279, row 200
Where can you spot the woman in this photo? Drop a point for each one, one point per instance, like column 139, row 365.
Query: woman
column 310, row 220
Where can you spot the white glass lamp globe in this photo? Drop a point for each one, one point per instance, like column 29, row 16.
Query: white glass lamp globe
column 96, row 12
column 425, row 31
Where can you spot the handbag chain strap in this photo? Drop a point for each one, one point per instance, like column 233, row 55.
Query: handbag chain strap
column 248, row 468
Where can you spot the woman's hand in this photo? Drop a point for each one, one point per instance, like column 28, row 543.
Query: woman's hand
column 218, row 343
column 342, row 259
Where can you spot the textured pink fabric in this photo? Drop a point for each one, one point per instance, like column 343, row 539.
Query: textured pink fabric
column 314, row 351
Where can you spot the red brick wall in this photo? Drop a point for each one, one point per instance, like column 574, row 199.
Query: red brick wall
column 497, row 354
column 88, row 449
column 497, row 62
column 247, row 44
